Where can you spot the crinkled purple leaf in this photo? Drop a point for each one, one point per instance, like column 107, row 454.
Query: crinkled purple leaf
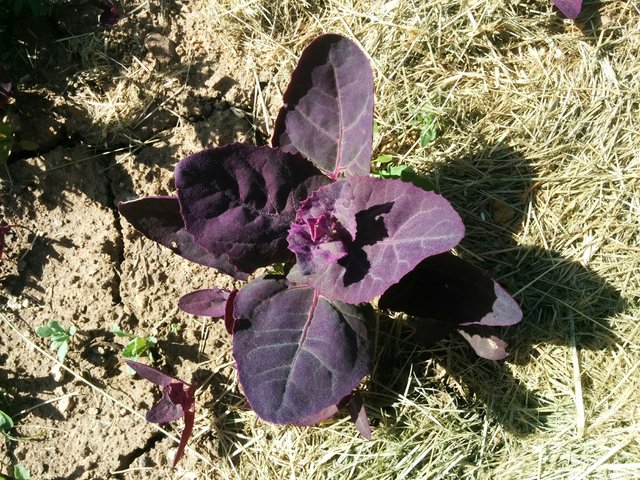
column 211, row 302
column 164, row 411
column 484, row 343
column 159, row 219
column 328, row 108
column 449, row 289
column 397, row 226
column 297, row 352
column 239, row 200
column 570, row 8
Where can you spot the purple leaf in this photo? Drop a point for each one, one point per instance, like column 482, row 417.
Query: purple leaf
column 178, row 400
column 151, row 374
column 451, row 294
column 229, row 320
column 205, row 303
column 158, row 218
column 297, row 353
column 396, row 226
column 353, row 402
column 328, row 108
column 570, row 8
column 238, row 201
column 484, row 343
column 449, row 289
column 318, row 417
column 359, row 415
column 164, row 410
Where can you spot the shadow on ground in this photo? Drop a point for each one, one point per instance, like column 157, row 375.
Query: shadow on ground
column 564, row 302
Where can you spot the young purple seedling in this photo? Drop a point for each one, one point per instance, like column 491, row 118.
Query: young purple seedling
column 178, row 400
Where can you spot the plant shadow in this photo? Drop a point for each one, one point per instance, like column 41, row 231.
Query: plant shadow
column 31, row 264
column 564, row 302
column 227, row 428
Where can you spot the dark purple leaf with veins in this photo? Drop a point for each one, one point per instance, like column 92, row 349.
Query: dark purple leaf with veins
column 159, row 219
column 239, row 200
column 297, row 352
column 570, row 8
column 449, row 293
column 328, row 108
column 178, row 400
column 211, row 302
column 396, row 225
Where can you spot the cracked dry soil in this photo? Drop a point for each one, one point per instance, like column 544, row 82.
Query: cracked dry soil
column 77, row 262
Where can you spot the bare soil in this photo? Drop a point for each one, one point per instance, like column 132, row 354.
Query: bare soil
column 77, row 262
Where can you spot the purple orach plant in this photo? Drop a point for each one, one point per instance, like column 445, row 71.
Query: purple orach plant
column 300, row 339
column 178, row 401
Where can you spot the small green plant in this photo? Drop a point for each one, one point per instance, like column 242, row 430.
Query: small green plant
column 6, row 424
column 383, row 167
column 20, row 472
column 428, row 126
column 59, row 336
column 137, row 346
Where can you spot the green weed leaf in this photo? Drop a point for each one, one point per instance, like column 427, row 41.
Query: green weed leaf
column 21, row 473
column 121, row 333
column 44, row 331
column 6, row 422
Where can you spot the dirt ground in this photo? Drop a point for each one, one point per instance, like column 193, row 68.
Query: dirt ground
column 77, row 262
